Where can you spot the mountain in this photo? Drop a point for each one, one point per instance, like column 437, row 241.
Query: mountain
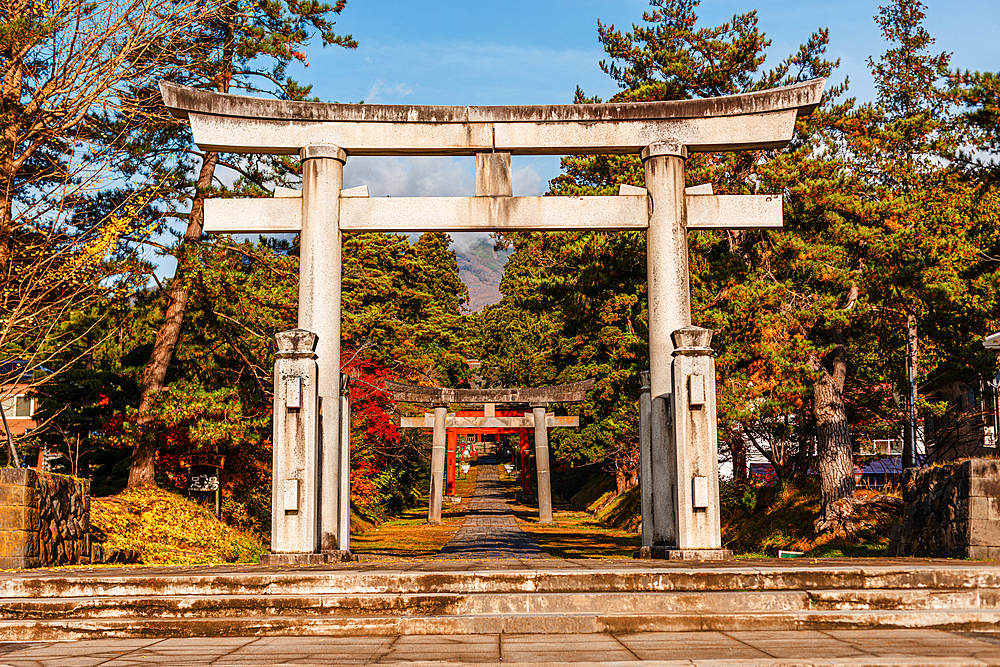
column 481, row 267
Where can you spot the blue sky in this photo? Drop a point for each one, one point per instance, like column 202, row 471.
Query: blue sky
column 537, row 52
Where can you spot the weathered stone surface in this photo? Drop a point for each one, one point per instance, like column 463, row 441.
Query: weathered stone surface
column 665, row 553
column 248, row 124
column 319, row 312
column 11, row 494
column 253, row 216
column 181, row 100
column 733, row 211
column 989, row 468
column 951, row 511
column 19, row 517
column 669, row 301
column 44, row 519
column 490, row 213
column 451, row 214
column 564, row 393
column 696, row 441
column 438, row 455
column 493, row 177
column 645, row 460
column 295, row 454
column 18, row 544
column 984, row 487
column 534, row 596
column 324, row 558
column 985, row 533
column 18, row 476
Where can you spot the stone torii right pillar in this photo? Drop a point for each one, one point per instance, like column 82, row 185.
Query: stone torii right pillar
column 683, row 466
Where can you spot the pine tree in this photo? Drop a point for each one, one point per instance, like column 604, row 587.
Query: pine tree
column 246, row 47
column 402, row 306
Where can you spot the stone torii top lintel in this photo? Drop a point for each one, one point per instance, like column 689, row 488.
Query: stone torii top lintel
column 242, row 124
column 563, row 393
column 324, row 134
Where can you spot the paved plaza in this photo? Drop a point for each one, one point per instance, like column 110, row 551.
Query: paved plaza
column 855, row 648
column 490, row 530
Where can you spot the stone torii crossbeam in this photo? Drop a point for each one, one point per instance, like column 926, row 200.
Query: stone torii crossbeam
column 537, row 398
column 683, row 476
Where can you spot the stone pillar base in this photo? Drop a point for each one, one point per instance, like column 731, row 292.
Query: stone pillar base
column 308, row 559
column 670, row 553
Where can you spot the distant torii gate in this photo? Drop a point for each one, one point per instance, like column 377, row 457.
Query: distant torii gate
column 682, row 471
column 538, row 398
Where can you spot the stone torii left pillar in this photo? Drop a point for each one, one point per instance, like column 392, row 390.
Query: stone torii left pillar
column 319, row 312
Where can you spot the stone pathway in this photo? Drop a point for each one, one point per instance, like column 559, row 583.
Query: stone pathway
column 803, row 648
column 490, row 530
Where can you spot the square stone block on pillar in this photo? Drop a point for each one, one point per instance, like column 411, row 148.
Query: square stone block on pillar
column 295, row 448
column 693, row 422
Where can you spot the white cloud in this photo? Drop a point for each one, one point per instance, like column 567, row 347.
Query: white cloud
column 412, row 177
column 527, row 182
column 379, row 90
column 462, row 241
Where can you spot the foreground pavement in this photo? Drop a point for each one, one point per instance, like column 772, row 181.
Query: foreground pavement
column 854, row 648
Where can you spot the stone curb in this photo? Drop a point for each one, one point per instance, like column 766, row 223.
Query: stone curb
column 313, row 626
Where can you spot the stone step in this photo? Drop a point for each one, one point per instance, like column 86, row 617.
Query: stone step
column 560, row 577
column 65, row 629
column 491, row 604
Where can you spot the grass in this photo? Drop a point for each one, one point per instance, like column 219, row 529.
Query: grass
column 757, row 521
column 169, row 529
column 410, row 536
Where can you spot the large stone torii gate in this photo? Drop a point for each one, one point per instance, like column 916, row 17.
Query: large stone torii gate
column 681, row 472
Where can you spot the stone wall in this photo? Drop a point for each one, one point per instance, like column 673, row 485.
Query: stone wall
column 44, row 519
column 950, row 511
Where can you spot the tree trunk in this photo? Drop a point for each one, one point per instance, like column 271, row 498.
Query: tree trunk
column 11, row 95
column 833, row 437
column 143, row 470
column 910, row 427
column 738, row 449
column 6, row 213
